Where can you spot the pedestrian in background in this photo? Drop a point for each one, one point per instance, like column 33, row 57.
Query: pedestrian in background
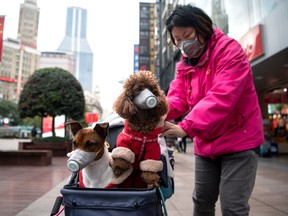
column 183, row 144
column 34, row 132
column 181, row 140
column 214, row 84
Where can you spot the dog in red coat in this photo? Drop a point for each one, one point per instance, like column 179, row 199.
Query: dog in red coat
column 137, row 145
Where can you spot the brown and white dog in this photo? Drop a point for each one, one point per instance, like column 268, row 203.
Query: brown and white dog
column 91, row 156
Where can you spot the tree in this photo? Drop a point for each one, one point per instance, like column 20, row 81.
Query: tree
column 52, row 92
column 8, row 109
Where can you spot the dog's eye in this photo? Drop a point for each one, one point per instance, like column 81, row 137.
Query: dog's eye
column 90, row 144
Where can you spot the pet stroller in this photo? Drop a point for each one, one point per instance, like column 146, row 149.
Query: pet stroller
column 77, row 201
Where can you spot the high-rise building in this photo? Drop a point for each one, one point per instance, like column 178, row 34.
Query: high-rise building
column 75, row 41
column 147, row 37
column 20, row 57
column 28, row 23
column 219, row 15
column 18, row 63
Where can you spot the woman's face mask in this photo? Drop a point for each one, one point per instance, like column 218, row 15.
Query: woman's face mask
column 191, row 48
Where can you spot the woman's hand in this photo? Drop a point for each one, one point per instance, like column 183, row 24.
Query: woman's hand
column 170, row 129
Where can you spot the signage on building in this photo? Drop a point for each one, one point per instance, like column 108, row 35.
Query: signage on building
column 252, row 44
column 136, row 57
column 91, row 117
column 146, row 36
column 274, row 98
column 2, row 18
column 7, row 79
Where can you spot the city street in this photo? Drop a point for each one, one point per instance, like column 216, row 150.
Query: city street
column 33, row 190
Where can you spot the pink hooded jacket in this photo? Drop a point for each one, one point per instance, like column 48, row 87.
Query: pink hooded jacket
column 220, row 98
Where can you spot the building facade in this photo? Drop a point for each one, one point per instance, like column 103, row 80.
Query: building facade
column 20, row 58
column 219, row 15
column 75, row 41
column 18, row 64
column 58, row 59
column 28, row 23
column 146, row 49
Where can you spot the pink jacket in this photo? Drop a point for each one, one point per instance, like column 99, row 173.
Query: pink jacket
column 220, row 98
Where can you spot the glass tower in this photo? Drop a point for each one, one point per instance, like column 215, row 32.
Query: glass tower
column 75, row 41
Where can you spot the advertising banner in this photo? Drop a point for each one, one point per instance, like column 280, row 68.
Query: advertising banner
column 91, row 117
column 2, row 18
column 252, row 43
column 59, row 126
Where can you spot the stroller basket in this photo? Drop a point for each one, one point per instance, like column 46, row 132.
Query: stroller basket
column 128, row 202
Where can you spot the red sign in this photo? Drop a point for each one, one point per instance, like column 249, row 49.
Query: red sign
column 91, row 117
column 2, row 18
column 143, row 67
column 7, row 79
column 275, row 98
column 47, row 124
column 59, row 126
column 252, row 43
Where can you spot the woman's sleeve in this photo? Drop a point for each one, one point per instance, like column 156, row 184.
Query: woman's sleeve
column 176, row 98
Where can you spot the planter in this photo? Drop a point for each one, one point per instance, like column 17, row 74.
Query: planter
column 57, row 148
column 26, row 158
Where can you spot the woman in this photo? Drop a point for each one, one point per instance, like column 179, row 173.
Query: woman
column 214, row 87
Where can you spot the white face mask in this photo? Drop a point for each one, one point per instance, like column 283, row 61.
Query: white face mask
column 183, row 53
column 79, row 159
column 191, row 48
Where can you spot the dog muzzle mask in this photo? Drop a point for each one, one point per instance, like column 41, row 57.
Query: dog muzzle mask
column 145, row 100
column 79, row 159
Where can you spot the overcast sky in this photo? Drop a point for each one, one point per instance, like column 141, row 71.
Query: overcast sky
column 112, row 31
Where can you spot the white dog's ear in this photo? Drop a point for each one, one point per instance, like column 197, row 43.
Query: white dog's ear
column 102, row 129
column 75, row 126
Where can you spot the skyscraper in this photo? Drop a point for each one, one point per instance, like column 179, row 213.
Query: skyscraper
column 28, row 23
column 147, row 36
column 219, row 15
column 20, row 57
column 75, row 41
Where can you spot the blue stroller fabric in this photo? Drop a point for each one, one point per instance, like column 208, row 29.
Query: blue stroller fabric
column 128, row 202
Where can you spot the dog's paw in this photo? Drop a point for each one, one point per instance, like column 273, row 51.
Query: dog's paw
column 150, row 178
column 119, row 166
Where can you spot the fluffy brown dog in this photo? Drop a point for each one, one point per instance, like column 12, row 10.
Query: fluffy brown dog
column 137, row 145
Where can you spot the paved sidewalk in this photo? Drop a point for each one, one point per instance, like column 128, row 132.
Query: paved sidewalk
column 269, row 198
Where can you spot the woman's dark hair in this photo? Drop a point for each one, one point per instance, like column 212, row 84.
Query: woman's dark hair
column 190, row 16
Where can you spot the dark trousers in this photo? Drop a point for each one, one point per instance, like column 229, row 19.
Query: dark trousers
column 231, row 177
column 183, row 144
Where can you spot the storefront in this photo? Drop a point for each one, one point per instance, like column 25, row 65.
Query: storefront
column 266, row 47
column 276, row 125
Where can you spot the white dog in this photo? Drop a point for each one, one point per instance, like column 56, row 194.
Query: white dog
column 91, row 156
